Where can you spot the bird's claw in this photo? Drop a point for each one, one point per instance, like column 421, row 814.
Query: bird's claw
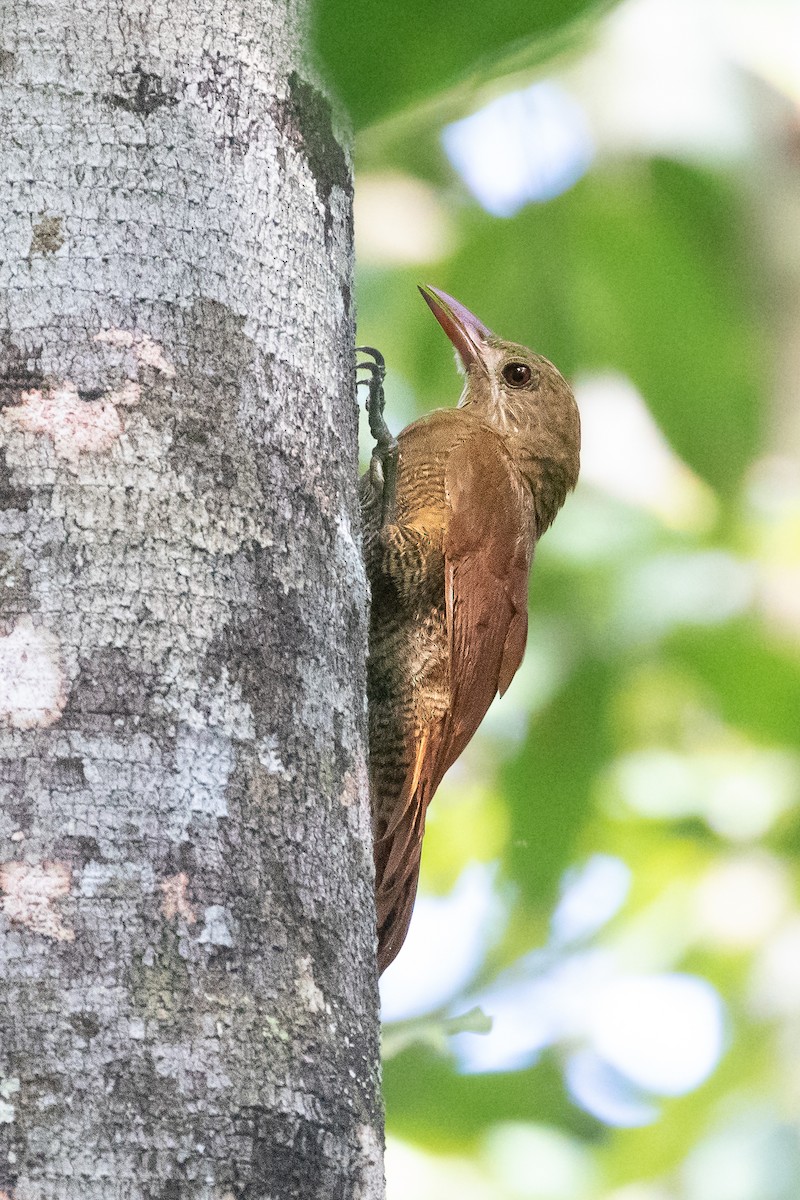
column 380, row 361
column 376, row 399
column 386, row 448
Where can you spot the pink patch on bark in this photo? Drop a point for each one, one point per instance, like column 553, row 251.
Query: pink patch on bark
column 150, row 353
column 176, row 902
column 146, row 349
column 32, row 682
column 30, row 891
column 121, row 338
column 75, row 426
column 129, row 394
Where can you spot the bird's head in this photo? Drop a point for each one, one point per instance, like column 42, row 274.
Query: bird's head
column 518, row 392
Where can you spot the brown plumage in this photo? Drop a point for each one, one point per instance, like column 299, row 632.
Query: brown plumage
column 448, row 557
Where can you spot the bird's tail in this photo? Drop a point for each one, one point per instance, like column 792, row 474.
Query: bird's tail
column 398, row 850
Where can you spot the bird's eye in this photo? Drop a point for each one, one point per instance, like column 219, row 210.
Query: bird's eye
column 517, row 374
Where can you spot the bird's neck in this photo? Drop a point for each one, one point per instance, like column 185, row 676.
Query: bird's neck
column 548, row 476
column 539, row 451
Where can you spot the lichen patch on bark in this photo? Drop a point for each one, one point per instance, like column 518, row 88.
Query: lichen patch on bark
column 29, row 892
column 355, row 785
column 48, row 236
column 354, row 798
column 370, row 1185
column 270, row 758
column 204, row 761
column 310, row 994
column 32, row 682
column 216, row 931
column 9, row 1086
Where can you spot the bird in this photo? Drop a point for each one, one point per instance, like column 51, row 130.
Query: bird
column 452, row 509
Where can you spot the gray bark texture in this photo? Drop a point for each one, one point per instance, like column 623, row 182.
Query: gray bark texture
column 188, row 1002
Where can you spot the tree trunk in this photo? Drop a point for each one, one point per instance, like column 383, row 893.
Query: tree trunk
column 189, row 1003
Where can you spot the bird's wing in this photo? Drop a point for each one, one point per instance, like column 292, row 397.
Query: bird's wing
column 487, row 547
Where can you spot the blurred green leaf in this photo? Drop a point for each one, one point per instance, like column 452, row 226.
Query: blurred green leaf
column 427, row 1101
column 385, row 57
column 548, row 786
column 756, row 685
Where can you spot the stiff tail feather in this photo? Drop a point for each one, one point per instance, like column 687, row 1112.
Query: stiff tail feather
column 398, row 850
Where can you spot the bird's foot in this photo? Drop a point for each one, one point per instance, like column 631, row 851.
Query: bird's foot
column 385, row 454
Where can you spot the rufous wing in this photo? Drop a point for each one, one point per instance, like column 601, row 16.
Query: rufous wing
column 487, row 545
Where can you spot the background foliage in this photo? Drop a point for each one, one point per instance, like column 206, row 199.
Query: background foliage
column 610, row 873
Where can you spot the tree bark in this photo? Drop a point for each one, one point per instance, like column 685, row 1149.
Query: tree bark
column 189, row 1004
